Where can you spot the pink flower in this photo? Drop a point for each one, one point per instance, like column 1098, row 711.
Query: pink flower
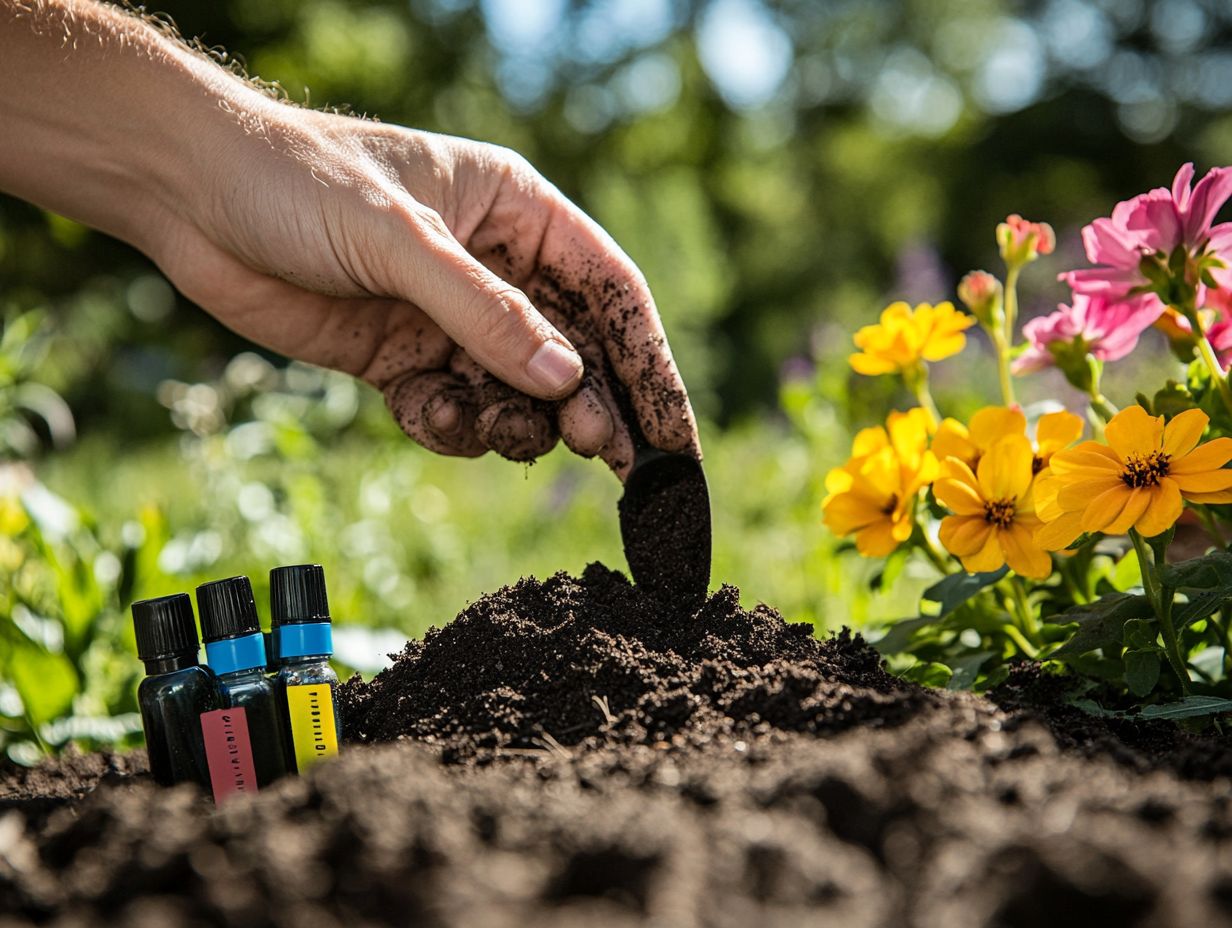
column 1092, row 325
column 981, row 293
column 1153, row 223
column 1022, row 241
column 1220, row 337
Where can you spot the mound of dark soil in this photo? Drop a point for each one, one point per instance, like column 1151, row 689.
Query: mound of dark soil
column 569, row 753
column 592, row 658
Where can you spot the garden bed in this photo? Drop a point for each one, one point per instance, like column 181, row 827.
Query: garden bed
column 570, row 752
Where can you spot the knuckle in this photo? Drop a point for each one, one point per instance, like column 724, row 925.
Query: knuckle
column 499, row 319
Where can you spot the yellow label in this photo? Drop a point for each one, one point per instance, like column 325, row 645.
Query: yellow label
column 312, row 723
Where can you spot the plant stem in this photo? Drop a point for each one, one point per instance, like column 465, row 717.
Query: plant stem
column 1002, row 348
column 1011, row 300
column 918, row 383
column 1100, row 405
column 1029, row 625
column 935, row 556
column 1207, row 353
column 1023, row 645
column 1003, row 335
column 1162, row 605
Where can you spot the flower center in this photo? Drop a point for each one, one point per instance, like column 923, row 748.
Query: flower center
column 999, row 512
column 890, row 506
column 1037, row 464
column 1145, row 470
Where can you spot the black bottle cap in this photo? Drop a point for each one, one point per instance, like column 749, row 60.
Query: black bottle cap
column 228, row 609
column 297, row 595
column 165, row 627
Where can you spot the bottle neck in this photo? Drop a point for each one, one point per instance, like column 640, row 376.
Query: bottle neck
column 170, row 663
column 312, row 640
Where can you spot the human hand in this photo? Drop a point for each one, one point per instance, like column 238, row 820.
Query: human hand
column 447, row 273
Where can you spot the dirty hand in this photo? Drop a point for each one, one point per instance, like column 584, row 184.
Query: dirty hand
column 490, row 310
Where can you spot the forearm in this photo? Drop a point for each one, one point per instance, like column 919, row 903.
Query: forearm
column 106, row 120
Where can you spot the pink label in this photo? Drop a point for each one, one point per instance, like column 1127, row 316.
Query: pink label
column 229, row 752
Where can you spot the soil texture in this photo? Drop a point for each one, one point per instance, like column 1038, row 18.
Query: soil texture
column 573, row 752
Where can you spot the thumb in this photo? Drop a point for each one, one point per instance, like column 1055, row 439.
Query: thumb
column 489, row 317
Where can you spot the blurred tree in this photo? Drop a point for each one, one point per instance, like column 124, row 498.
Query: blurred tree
column 774, row 167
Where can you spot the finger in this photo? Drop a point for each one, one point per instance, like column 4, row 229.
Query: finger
column 519, row 428
column 492, row 319
column 585, row 422
column 582, row 261
column 435, row 409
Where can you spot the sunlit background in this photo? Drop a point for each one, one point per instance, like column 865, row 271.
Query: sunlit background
column 779, row 171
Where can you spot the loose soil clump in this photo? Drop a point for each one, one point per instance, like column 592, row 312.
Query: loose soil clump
column 573, row 753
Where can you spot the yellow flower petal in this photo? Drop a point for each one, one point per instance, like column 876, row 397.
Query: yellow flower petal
column 1057, row 430
column 1059, row 533
column 1089, row 456
column 1134, row 431
column 959, row 497
column 989, row 557
column 1023, row 554
column 1104, row 509
column 964, row 535
column 996, row 422
column 1165, row 508
column 1223, row 496
column 1210, row 482
column 1135, row 506
column 876, row 540
column 1210, row 456
column 1005, row 469
column 871, row 365
column 1183, row 433
column 1076, row 495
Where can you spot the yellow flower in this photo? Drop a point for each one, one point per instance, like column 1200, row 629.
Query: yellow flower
column 1139, row 480
column 994, row 516
column 1053, row 432
column 903, row 338
column 968, row 444
column 873, row 495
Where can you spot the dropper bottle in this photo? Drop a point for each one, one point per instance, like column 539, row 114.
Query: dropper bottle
column 176, row 690
column 307, row 685
column 252, row 729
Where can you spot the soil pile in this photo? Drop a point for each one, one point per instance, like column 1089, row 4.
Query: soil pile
column 594, row 659
column 572, row 754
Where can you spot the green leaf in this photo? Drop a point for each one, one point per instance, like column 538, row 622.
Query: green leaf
column 46, row 683
column 1141, row 671
column 1100, row 623
column 967, row 669
column 1199, row 607
column 1188, row 707
column 900, row 634
column 956, row 589
column 929, row 674
column 1140, row 634
column 1211, row 571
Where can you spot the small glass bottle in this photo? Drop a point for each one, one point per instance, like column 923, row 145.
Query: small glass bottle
column 176, row 692
column 307, row 685
column 235, row 650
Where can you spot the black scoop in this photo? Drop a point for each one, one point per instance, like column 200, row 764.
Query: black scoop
column 665, row 522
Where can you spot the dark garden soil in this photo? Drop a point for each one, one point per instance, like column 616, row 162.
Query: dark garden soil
column 569, row 752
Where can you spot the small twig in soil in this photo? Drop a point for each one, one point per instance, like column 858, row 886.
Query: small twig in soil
column 602, row 704
column 551, row 744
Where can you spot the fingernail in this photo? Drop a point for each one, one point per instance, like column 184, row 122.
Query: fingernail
column 555, row 367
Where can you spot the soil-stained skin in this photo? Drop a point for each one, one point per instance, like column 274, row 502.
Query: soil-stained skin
column 450, row 404
column 572, row 752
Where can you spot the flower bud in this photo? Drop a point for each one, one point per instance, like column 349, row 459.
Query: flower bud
column 981, row 293
column 1021, row 242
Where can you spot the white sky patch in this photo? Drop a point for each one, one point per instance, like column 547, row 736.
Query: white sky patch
column 744, row 52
